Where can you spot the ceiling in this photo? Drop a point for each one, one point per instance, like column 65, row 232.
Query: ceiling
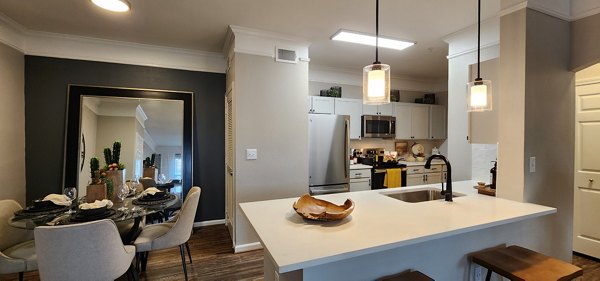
column 202, row 25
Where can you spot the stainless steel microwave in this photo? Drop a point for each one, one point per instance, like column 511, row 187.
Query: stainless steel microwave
column 378, row 126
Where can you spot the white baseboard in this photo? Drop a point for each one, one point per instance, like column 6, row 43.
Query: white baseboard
column 247, row 247
column 206, row 223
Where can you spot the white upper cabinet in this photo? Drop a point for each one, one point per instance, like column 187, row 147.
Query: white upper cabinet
column 437, row 119
column 352, row 107
column 322, row 105
column 412, row 121
column 384, row 109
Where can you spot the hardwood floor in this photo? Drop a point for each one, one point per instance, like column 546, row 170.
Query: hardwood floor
column 214, row 260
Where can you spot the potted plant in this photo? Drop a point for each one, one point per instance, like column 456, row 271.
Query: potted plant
column 115, row 171
column 98, row 188
column 150, row 170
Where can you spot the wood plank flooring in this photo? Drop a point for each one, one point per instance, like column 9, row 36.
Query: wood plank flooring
column 214, row 260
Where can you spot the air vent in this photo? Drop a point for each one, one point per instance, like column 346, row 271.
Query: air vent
column 285, row 55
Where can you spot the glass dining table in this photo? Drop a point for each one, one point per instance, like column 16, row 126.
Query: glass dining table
column 127, row 215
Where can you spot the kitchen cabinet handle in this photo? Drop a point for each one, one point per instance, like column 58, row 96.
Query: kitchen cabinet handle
column 358, row 174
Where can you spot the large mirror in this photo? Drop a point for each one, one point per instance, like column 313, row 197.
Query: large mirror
column 145, row 122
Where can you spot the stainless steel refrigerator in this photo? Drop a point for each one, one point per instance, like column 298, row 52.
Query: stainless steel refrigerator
column 328, row 162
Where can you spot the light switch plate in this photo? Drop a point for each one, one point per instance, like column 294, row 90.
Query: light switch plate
column 251, row 154
column 532, row 164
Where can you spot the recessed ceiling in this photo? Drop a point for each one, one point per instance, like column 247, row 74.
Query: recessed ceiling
column 202, row 25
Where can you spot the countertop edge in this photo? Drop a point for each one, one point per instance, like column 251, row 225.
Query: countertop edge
column 339, row 257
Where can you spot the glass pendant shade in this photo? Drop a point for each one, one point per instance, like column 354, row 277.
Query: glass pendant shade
column 376, row 84
column 479, row 95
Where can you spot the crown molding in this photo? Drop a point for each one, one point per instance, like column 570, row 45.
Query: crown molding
column 473, row 50
column 574, row 10
column 263, row 43
column 57, row 45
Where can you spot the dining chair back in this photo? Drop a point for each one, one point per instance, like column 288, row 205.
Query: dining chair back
column 173, row 233
column 85, row 251
column 17, row 248
column 147, row 182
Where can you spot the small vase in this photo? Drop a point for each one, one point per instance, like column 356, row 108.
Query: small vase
column 118, row 180
column 95, row 192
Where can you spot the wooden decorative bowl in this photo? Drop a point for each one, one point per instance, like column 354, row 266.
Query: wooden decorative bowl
column 317, row 209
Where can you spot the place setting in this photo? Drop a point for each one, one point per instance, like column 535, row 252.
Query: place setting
column 99, row 209
column 153, row 196
column 52, row 204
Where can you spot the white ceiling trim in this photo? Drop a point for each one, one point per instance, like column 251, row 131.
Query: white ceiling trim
column 584, row 8
column 11, row 33
column 86, row 48
column 571, row 11
column 263, row 43
column 473, row 50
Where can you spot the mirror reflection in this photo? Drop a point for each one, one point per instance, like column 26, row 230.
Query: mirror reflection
column 144, row 127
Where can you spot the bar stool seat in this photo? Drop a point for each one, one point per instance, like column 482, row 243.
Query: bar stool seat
column 407, row 276
column 518, row 263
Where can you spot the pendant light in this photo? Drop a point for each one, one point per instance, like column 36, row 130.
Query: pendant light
column 376, row 76
column 479, row 92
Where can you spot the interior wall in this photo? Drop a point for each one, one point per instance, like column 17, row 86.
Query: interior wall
column 550, row 124
column 458, row 147
column 511, row 118
column 89, row 127
column 12, row 124
column 116, row 128
column 271, row 116
column 46, row 84
column 585, row 42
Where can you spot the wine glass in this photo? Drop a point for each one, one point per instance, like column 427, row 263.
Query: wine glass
column 122, row 193
column 162, row 178
column 71, row 192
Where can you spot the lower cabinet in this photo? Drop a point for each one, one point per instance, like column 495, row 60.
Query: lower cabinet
column 418, row 175
column 360, row 179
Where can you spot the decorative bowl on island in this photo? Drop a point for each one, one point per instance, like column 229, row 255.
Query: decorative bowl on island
column 316, row 209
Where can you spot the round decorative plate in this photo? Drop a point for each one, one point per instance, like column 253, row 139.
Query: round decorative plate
column 139, row 201
column 417, row 149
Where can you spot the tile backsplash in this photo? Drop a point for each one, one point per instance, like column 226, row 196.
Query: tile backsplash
column 391, row 144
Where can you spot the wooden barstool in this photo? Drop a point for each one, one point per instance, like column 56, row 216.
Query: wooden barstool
column 407, row 276
column 518, row 263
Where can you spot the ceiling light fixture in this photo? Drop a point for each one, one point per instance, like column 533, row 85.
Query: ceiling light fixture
column 366, row 39
column 479, row 92
column 376, row 76
column 113, row 5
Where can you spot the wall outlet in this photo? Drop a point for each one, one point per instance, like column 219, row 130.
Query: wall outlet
column 478, row 273
column 532, row 164
column 251, row 154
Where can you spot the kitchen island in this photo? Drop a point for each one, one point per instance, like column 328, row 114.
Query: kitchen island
column 384, row 235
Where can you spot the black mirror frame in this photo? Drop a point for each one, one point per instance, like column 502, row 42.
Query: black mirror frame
column 73, row 126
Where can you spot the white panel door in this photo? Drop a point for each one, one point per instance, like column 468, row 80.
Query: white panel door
column 420, row 122
column 403, row 121
column 370, row 109
column 416, row 179
column 352, row 107
column 322, row 105
column 586, row 229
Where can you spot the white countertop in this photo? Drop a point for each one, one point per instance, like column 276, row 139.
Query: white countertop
column 378, row 223
column 360, row 166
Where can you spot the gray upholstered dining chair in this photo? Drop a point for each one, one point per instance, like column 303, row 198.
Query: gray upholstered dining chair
column 85, row 251
column 17, row 248
column 147, row 182
column 170, row 234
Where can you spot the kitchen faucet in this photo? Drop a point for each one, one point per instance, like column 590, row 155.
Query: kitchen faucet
column 448, row 193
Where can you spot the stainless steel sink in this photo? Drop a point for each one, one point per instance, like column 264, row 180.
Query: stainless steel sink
column 421, row 195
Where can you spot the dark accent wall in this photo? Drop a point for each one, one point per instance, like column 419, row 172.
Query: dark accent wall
column 46, row 84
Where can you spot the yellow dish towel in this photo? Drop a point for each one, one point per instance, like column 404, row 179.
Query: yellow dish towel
column 392, row 178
